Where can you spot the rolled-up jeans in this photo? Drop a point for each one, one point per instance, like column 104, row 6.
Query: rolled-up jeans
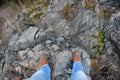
column 78, row 72
column 44, row 73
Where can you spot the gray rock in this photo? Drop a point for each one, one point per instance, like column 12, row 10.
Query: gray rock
column 57, row 5
column 26, row 40
column 42, row 36
column 0, row 41
column 55, row 47
column 81, row 32
column 64, row 59
column 14, row 38
column 113, row 31
column 59, row 52
column 60, row 39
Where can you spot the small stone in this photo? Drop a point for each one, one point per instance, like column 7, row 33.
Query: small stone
column 37, row 48
column 49, row 42
column 61, row 39
column 17, row 78
column 30, row 54
column 22, row 54
column 18, row 69
column 69, row 71
column 26, row 79
column 32, row 63
column 28, row 73
column 55, row 47
column 15, row 63
column 67, row 45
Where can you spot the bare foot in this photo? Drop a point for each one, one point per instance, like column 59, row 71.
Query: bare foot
column 76, row 56
column 43, row 59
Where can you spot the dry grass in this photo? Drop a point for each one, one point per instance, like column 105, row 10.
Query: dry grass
column 95, row 64
column 107, row 13
column 37, row 11
column 1, row 33
column 68, row 11
column 90, row 4
column 44, row 2
column 1, row 30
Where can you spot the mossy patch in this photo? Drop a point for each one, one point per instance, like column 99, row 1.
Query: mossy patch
column 90, row 4
column 68, row 11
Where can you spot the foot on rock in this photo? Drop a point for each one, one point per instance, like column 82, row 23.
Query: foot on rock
column 43, row 59
column 76, row 56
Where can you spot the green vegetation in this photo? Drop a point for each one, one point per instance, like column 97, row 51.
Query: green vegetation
column 106, row 13
column 44, row 2
column 68, row 11
column 101, row 42
column 8, row 2
column 1, row 33
column 25, row 68
column 37, row 11
column 90, row 4
column 100, row 49
column 1, row 30
column 101, row 39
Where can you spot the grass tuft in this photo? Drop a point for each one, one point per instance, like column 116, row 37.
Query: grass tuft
column 37, row 11
column 95, row 63
column 106, row 13
column 90, row 4
column 101, row 42
column 1, row 33
column 68, row 11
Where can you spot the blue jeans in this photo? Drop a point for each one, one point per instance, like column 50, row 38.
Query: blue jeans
column 44, row 73
column 78, row 72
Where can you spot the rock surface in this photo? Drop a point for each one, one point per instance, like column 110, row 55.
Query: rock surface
column 68, row 25
column 21, row 59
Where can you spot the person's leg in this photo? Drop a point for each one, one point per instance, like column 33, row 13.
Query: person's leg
column 44, row 72
column 78, row 71
column 77, row 66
